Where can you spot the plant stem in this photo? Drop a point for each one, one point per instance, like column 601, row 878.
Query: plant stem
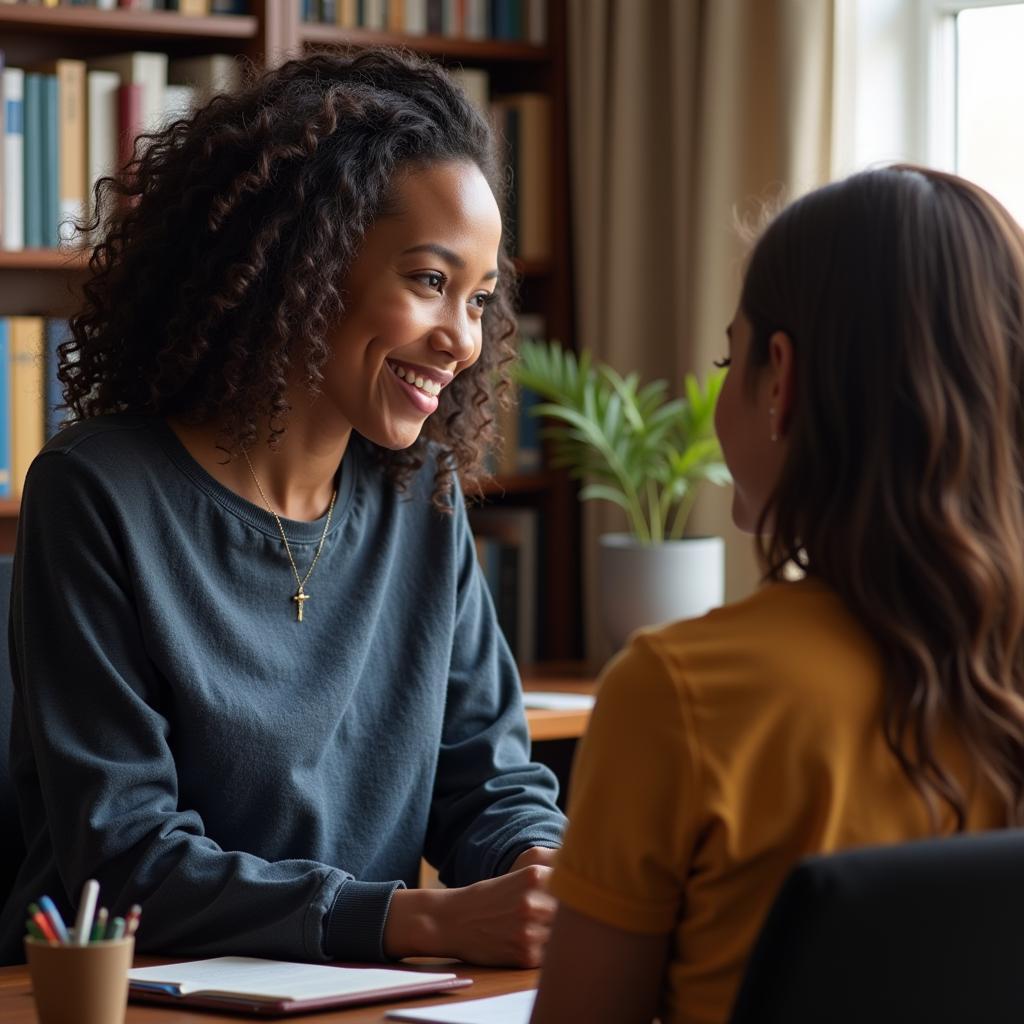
column 636, row 517
column 653, row 513
column 683, row 513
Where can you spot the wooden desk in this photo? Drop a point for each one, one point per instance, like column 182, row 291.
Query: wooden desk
column 18, row 1007
column 562, row 677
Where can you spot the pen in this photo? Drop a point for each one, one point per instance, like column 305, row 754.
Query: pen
column 49, row 908
column 99, row 929
column 116, row 930
column 86, row 909
column 131, row 922
column 42, row 922
column 33, row 929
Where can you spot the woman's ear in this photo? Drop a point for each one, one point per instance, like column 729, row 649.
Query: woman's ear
column 783, row 380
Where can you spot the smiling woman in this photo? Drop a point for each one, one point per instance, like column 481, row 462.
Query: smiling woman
column 277, row 680
column 418, row 289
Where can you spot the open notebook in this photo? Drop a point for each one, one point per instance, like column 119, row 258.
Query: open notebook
column 276, row 987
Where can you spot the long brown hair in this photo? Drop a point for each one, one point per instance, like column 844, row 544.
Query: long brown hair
column 903, row 292
column 228, row 238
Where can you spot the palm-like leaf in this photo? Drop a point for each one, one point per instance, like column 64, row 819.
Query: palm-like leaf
column 632, row 445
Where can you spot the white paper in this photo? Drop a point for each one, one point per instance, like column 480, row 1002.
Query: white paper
column 558, row 701
column 514, row 1008
column 276, row 979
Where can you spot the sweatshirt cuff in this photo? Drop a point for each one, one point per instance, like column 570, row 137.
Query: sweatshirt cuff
column 354, row 926
column 508, row 858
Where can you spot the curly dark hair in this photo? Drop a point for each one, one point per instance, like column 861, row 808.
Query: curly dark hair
column 227, row 239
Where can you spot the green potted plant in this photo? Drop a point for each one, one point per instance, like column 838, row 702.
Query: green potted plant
column 636, row 447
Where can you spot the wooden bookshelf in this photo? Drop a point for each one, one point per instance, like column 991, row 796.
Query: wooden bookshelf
column 475, row 50
column 149, row 25
column 45, row 281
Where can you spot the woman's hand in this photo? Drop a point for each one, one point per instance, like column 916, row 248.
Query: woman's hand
column 501, row 921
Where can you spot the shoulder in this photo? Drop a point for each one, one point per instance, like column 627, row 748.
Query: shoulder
column 117, row 470
column 789, row 644
column 104, row 438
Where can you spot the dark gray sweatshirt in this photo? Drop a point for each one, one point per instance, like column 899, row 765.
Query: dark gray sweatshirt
column 260, row 785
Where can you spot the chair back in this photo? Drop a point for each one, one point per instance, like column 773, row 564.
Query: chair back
column 12, row 850
column 923, row 931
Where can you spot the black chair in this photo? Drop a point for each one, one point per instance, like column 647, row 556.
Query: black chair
column 12, row 849
column 929, row 931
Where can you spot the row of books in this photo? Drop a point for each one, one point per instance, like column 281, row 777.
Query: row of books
column 523, row 124
column 193, row 8
column 507, row 550
column 510, row 20
column 66, row 123
column 29, row 393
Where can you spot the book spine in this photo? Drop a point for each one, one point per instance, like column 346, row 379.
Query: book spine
column 51, row 162
column 3, row 134
column 347, row 14
column 5, row 408
column 374, row 15
column 129, row 120
column 476, row 84
column 536, row 28
column 14, row 157
column 533, row 176
column 194, row 8
column 416, row 17
column 72, row 146
column 528, row 453
column 476, row 19
column 33, row 166
column 435, row 17
column 448, row 19
column 103, row 155
column 26, row 391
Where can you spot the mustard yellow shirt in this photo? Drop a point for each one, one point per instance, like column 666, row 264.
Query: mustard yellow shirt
column 721, row 750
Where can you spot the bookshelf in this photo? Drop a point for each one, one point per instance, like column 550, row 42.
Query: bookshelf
column 45, row 281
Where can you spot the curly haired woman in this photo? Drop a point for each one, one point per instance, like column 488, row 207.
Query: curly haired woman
column 872, row 419
column 257, row 674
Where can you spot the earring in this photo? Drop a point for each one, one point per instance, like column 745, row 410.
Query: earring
column 771, row 415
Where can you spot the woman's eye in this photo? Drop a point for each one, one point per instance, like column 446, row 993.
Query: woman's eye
column 482, row 299
column 434, row 280
column 723, row 362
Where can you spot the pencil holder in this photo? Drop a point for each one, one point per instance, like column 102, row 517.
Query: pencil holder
column 80, row 984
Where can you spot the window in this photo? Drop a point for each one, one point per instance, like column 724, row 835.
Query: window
column 939, row 82
column 989, row 115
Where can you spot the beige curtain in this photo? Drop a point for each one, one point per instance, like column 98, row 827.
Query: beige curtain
column 683, row 114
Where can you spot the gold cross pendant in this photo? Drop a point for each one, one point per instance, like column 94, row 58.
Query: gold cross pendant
column 299, row 598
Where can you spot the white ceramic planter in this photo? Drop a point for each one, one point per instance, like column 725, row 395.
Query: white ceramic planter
column 649, row 585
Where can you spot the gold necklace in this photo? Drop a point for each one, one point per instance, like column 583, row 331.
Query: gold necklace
column 300, row 597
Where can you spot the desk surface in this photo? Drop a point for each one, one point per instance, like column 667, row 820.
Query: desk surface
column 18, row 1007
column 561, row 677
